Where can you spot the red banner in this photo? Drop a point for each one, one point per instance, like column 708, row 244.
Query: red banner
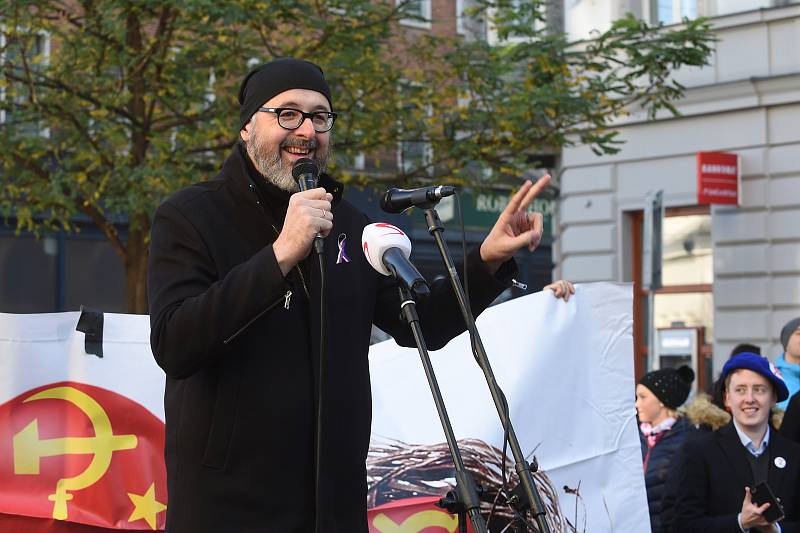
column 717, row 178
column 76, row 453
column 412, row 515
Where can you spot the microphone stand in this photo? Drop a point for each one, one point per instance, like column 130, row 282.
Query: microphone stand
column 465, row 500
column 521, row 466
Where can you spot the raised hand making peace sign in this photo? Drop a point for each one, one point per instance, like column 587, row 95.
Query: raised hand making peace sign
column 515, row 228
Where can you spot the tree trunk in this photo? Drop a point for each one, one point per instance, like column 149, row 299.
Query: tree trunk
column 139, row 228
column 136, row 271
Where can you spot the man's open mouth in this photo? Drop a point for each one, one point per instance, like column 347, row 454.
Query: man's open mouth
column 298, row 150
column 302, row 147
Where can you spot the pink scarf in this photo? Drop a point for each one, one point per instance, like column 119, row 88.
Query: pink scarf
column 654, row 434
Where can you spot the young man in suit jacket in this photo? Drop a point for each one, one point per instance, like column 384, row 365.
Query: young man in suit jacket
column 713, row 489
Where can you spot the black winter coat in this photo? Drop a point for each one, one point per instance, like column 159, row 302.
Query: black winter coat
column 659, row 466
column 790, row 427
column 239, row 345
column 714, row 470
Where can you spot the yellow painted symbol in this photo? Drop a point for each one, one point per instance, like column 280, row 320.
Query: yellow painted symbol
column 416, row 522
column 29, row 448
column 146, row 506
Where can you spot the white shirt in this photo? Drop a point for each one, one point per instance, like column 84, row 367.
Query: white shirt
column 747, row 442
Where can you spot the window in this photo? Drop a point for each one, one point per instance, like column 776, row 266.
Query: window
column 349, row 161
column 28, row 273
column 343, row 134
column 673, row 11
column 414, row 151
column 418, row 13
column 57, row 272
column 470, row 20
column 414, row 157
column 22, row 54
column 515, row 11
column 685, row 300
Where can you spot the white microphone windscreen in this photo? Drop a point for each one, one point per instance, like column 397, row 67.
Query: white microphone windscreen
column 379, row 237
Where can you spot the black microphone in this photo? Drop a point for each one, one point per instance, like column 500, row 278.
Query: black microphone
column 305, row 172
column 403, row 270
column 398, row 200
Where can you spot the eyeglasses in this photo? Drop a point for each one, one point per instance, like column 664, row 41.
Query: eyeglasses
column 291, row 119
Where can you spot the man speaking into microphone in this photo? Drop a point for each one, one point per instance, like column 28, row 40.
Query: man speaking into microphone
column 234, row 292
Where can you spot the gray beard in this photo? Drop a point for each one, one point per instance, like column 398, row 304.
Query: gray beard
column 271, row 166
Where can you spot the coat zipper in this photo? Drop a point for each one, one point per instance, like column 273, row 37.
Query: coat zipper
column 286, row 299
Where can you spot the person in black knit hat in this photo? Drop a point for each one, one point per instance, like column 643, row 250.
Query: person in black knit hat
column 235, row 296
column 662, row 430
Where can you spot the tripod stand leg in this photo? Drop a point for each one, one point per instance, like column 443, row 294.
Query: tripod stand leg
column 466, row 492
column 462, row 522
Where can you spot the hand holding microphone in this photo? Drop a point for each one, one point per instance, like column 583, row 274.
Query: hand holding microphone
column 308, row 218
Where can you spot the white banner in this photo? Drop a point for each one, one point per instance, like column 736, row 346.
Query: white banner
column 44, row 348
column 81, row 437
column 567, row 371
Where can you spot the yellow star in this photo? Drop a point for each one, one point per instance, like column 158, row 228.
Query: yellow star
column 146, row 506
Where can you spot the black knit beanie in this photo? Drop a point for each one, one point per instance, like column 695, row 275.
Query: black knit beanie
column 787, row 331
column 271, row 79
column 670, row 385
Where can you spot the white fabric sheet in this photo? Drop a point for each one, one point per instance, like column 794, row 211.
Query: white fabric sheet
column 567, row 371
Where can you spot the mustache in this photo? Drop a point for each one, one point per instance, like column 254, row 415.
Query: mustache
column 311, row 144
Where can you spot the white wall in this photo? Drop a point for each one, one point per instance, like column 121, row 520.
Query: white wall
column 583, row 17
column 746, row 102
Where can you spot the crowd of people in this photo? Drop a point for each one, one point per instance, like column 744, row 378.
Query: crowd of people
column 729, row 459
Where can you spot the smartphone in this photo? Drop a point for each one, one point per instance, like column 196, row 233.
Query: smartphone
column 762, row 494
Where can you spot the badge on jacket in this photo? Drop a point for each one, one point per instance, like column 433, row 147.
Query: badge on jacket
column 342, row 257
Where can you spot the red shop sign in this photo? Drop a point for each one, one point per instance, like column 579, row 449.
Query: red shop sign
column 718, row 178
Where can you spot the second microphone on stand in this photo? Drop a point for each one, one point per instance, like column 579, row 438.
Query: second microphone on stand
column 398, row 200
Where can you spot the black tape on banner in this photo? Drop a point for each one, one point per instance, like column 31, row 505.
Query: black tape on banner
column 91, row 323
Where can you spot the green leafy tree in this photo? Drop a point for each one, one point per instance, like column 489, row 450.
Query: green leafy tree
column 535, row 92
column 108, row 106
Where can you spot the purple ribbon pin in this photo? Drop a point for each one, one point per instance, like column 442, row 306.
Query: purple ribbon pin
column 342, row 257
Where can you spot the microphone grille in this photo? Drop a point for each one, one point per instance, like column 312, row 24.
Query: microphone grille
column 385, row 201
column 304, row 166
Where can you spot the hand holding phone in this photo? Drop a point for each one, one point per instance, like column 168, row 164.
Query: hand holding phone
column 762, row 494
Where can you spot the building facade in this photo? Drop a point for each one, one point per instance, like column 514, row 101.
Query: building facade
column 731, row 273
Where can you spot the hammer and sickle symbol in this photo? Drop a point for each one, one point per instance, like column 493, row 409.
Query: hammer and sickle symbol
column 416, row 522
column 29, row 448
